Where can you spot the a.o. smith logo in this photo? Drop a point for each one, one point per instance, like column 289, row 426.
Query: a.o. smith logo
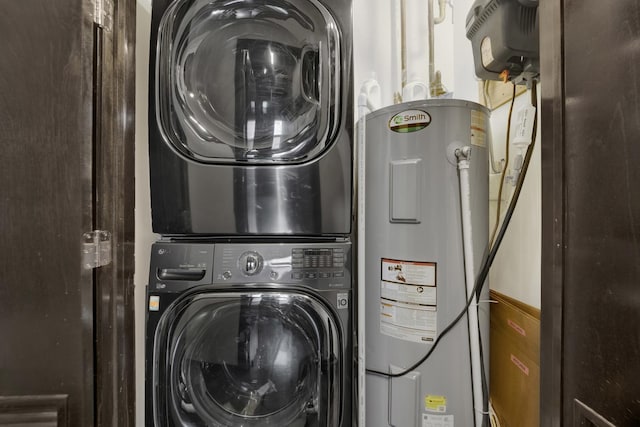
column 409, row 121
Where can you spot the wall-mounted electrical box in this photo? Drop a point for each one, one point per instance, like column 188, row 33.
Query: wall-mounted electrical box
column 504, row 39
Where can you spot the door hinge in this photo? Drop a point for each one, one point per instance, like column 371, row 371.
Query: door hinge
column 96, row 249
column 103, row 14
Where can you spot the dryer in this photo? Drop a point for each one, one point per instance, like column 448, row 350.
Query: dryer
column 249, row 335
column 250, row 107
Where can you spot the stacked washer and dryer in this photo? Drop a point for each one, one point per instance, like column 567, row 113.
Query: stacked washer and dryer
column 250, row 140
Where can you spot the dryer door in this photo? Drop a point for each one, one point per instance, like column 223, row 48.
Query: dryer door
column 250, row 81
column 255, row 358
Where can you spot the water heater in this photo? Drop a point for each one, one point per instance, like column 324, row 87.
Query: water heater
column 414, row 277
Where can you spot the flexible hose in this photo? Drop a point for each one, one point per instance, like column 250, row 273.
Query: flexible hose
column 504, row 168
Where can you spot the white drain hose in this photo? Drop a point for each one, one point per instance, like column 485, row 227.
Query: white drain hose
column 463, row 156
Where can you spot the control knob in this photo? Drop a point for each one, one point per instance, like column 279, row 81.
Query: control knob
column 250, row 263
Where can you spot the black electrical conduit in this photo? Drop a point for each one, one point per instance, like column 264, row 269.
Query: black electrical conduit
column 488, row 261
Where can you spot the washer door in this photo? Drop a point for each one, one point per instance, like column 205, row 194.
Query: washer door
column 250, row 81
column 260, row 358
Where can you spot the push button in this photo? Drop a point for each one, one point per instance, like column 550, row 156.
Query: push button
column 342, row 300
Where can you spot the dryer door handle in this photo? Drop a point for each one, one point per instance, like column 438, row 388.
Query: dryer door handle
column 180, row 274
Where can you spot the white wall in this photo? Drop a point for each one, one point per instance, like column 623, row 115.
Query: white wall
column 516, row 269
column 144, row 235
column 377, row 51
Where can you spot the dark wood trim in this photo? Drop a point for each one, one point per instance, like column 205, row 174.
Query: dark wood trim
column 46, row 296
column 525, row 308
column 115, row 165
column 553, row 221
column 584, row 416
column 34, row 410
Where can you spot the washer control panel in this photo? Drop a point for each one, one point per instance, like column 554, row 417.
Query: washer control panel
column 317, row 258
column 176, row 266
column 319, row 265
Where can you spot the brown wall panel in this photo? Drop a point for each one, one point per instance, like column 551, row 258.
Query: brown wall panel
column 515, row 361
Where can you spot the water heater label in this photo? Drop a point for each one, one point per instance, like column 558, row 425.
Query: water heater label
column 486, row 52
column 435, row 403
column 408, row 300
column 429, row 420
column 409, row 121
column 424, row 295
column 408, row 322
column 409, row 272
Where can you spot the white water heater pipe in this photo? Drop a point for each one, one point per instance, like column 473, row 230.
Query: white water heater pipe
column 398, row 46
column 463, row 155
column 435, row 79
column 364, row 107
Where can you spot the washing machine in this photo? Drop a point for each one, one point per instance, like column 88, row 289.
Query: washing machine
column 249, row 335
column 250, row 107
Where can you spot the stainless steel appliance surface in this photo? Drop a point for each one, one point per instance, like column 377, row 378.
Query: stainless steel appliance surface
column 414, row 278
column 242, row 334
column 250, row 112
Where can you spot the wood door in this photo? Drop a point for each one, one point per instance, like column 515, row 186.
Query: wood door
column 61, row 175
column 591, row 213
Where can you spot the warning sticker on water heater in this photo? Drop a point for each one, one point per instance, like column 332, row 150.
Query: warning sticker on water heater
column 408, row 300
column 409, row 272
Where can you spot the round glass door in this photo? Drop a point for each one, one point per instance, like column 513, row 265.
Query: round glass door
column 250, row 81
column 256, row 359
